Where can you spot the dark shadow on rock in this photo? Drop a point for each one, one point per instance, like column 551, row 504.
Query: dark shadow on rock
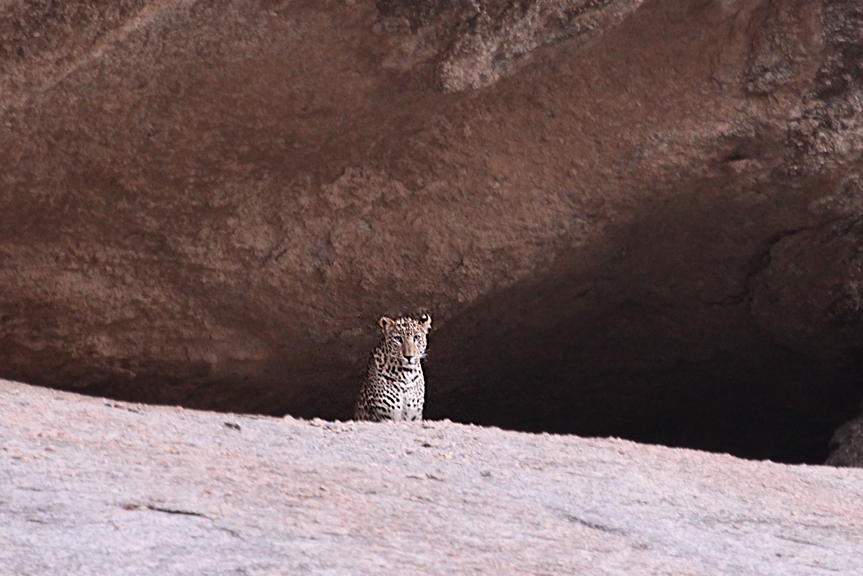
column 656, row 342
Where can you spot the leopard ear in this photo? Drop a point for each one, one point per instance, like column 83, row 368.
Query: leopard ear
column 425, row 322
column 386, row 322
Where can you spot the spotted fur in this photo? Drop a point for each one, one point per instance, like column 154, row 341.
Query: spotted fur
column 395, row 388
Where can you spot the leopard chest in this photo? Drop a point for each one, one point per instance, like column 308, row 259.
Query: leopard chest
column 390, row 373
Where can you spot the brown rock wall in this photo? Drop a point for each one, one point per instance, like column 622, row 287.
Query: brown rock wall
column 211, row 203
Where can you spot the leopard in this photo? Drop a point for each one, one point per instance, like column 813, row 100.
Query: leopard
column 394, row 388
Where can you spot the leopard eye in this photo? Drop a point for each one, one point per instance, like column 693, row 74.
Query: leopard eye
column 397, row 339
column 416, row 337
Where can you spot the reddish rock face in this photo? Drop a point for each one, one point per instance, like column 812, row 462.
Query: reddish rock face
column 627, row 218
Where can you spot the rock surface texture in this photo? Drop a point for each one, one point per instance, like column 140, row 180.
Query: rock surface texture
column 96, row 486
column 846, row 446
column 630, row 218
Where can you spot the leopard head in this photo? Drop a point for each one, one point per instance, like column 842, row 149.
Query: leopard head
column 405, row 338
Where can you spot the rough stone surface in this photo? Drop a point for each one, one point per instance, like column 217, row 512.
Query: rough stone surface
column 103, row 487
column 846, row 446
column 627, row 218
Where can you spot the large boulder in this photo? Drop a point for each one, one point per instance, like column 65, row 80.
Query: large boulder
column 95, row 486
column 630, row 218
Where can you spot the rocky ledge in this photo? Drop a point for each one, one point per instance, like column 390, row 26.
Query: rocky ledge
column 96, row 486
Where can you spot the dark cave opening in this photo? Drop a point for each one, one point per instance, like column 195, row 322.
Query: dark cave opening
column 767, row 404
column 691, row 329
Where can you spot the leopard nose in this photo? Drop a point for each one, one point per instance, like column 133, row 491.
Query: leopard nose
column 409, row 351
